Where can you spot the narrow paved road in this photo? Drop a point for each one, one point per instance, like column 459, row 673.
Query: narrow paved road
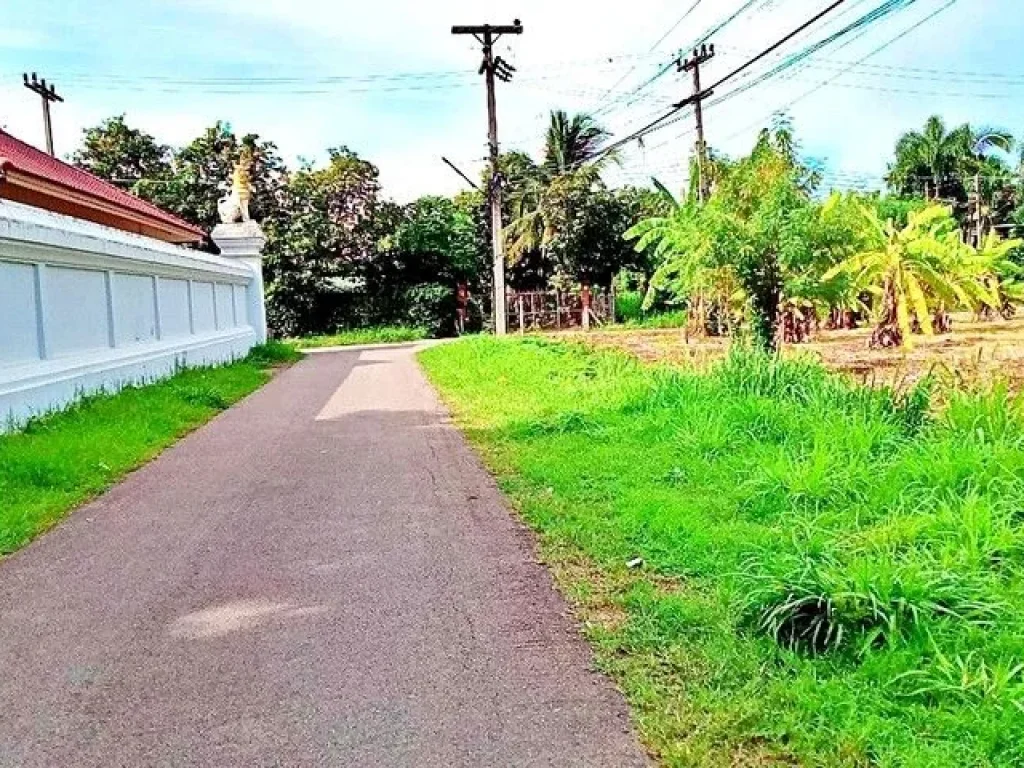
column 323, row 575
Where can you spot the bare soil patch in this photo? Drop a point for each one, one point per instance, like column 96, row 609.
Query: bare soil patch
column 976, row 352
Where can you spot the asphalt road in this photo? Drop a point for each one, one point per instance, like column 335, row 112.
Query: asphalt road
column 323, row 575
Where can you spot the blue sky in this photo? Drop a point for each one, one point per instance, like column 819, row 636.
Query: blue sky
column 388, row 80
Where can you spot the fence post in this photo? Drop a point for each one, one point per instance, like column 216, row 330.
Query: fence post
column 522, row 320
column 462, row 299
column 585, row 298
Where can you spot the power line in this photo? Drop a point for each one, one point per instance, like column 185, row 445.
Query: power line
column 860, row 25
column 659, row 41
column 892, row 41
column 630, row 97
column 714, row 30
column 458, row 170
column 804, row 53
column 661, row 121
column 825, row 62
column 918, row 92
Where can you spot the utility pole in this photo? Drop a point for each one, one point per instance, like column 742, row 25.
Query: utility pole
column 487, row 35
column 702, row 56
column 977, row 210
column 47, row 93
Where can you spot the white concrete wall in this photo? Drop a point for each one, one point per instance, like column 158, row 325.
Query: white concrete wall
column 85, row 308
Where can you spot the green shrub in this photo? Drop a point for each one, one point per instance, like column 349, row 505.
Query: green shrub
column 656, row 320
column 431, row 306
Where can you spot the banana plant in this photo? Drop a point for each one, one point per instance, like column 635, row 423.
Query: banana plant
column 915, row 273
column 1002, row 276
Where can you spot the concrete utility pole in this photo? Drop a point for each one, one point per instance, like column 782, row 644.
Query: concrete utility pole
column 47, row 93
column 702, row 56
column 487, row 35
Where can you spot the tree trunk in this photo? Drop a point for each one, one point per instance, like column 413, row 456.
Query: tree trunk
column 698, row 318
column 888, row 333
column 764, row 286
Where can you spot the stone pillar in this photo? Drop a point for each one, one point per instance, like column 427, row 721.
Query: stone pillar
column 244, row 241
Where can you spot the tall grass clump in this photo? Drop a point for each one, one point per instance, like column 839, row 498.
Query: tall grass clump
column 831, row 574
column 629, row 305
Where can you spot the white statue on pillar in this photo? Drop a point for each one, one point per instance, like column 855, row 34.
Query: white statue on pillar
column 234, row 208
column 239, row 237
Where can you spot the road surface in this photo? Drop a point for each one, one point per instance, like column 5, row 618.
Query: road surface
column 323, row 575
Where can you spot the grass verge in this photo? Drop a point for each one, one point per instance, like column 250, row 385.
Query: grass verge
column 393, row 334
column 58, row 461
column 832, row 576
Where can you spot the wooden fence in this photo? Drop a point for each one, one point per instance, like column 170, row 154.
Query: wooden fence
column 558, row 310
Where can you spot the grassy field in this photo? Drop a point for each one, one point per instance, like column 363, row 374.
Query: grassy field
column 59, row 461
column 380, row 335
column 831, row 575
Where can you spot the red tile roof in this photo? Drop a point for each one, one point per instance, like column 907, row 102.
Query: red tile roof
column 19, row 156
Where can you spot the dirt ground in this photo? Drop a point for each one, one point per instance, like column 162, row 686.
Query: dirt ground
column 974, row 353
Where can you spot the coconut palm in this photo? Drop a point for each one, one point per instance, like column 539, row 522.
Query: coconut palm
column 573, row 146
column 917, row 272
column 573, row 142
column 935, row 161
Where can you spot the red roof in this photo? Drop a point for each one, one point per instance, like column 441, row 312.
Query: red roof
column 19, row 156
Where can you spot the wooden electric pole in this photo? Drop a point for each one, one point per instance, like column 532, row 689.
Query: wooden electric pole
column 487, row 35
column 977, row 211
column 47, row 93
column 702, row 56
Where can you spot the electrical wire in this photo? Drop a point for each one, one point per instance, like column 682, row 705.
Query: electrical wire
column 661, row 121
column 659, row 41
column 877, row 14
column 630, row 97
column 871, row 54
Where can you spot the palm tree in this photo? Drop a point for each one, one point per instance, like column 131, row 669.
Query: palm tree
column 573, row 142
column 917, row 272
column 573, row 146
column 934, row 162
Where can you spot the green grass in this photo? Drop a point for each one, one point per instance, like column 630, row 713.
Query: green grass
column 629, row 313
column 655, row 320
column 58, row 461
column 629, row 305
column 832, row 576
column 392, row 334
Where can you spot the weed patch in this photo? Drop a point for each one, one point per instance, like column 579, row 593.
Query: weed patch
column 377, row 335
